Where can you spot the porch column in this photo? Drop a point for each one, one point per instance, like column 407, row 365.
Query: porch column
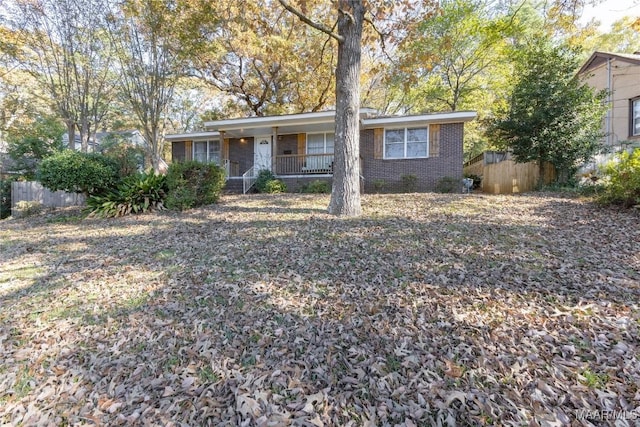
column 224, row 154
column 274, row 148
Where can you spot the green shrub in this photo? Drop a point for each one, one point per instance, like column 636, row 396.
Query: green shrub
column 266, row 182
column 191, row 184
column 448, row 184
column 622, row 180
column 264, row 176
column 275, row 186
column 181, row 198
column 75, row 172
column 317, row 187
column 5, row 197
column 409, row 182
column 138, row 193
column 379, row 185
column 128, row 158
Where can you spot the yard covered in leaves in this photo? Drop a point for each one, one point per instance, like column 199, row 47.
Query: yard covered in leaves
column 264, row 310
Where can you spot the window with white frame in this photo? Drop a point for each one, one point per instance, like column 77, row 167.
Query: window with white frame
column 635, row 117
column 406, row 143
column 207, row 151
column 320, row 145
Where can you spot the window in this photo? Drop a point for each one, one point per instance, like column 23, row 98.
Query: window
column 635, row 117
column 320, row 147
column 406, row 143
column 206, row 151
column 320, row 143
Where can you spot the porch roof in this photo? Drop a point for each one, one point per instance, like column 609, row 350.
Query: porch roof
column 322, row 121
column 413, row 120
column 192, row 136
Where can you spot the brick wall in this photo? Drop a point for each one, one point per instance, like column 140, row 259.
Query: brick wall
column 241, row 152
column 294, row 185
column 428, row 171
column 287, row 143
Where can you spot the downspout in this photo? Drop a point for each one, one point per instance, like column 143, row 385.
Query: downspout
column 610, row 103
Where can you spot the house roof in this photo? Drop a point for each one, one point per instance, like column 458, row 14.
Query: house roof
column 313, row 122
column 600, row 58
column 192, row 135
column 431, row 118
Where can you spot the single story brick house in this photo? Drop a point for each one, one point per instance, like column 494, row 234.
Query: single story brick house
column 298, row 148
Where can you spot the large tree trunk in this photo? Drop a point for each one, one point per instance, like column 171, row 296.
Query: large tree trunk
column 345, row 194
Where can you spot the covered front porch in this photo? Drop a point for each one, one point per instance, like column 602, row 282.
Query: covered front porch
column 296, row 145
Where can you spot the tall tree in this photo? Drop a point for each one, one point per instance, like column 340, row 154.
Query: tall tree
column 451, row 52
column 264, row 60
column 623, row 37
column 552, row 116
column 350, row 20
column 64, row 45
column 150, row 65
column 345, row 193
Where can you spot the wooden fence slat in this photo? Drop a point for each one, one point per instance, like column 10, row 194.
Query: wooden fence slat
column 30, row 191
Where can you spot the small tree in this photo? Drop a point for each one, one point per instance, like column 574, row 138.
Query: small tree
column 28, row 144
column 553, row 117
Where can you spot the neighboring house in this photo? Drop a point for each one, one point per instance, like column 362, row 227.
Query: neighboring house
column 132, row 136
column 619, row 74
column 298, row 148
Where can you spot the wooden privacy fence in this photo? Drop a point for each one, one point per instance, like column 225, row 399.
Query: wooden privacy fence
column 501, row 175
column 31, row 191
column 509, row 177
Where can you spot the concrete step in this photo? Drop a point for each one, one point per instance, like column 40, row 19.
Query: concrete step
column 233, row 186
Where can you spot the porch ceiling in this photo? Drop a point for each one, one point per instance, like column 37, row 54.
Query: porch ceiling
column 322, row 121
column 281, row 130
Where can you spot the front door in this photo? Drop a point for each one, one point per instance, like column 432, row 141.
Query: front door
column 262, row 153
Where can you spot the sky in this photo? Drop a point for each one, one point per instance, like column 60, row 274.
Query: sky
column 610, row 11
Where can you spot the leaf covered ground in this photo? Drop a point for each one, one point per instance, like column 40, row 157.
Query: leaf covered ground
column 264, row 310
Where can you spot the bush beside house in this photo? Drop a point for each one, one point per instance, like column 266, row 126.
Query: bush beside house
column 621, row 183
column 191, row 184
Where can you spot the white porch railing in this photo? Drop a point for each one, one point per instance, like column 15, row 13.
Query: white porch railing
column 248, row 179
column 301, row 164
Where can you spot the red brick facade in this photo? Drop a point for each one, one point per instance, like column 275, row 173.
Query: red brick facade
column 386, row 175
column 379, row 175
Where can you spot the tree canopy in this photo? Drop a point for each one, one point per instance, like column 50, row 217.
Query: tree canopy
column 552, row 116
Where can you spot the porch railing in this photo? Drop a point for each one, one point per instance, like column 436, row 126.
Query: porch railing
column 248, row 179
column 302, row 164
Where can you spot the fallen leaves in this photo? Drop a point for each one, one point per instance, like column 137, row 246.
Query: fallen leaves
column 264, row 310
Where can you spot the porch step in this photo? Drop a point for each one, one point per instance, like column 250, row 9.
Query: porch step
column 233, row 186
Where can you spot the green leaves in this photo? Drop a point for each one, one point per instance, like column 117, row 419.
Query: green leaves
column 552, row 116
column 136, row 194
column 191, row 184
column 75, row 172
column 622, row 180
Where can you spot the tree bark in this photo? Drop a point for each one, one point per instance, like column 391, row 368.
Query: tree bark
column 71, row 131
column 345, row 194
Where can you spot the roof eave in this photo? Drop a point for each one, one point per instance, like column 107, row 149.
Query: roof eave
column 452, row 117
column 191, row 136
column 605, row 55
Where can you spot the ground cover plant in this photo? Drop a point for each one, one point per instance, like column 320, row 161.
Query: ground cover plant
column 430, row 309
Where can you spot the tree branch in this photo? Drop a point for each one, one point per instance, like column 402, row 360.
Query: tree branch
column 304, row 18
